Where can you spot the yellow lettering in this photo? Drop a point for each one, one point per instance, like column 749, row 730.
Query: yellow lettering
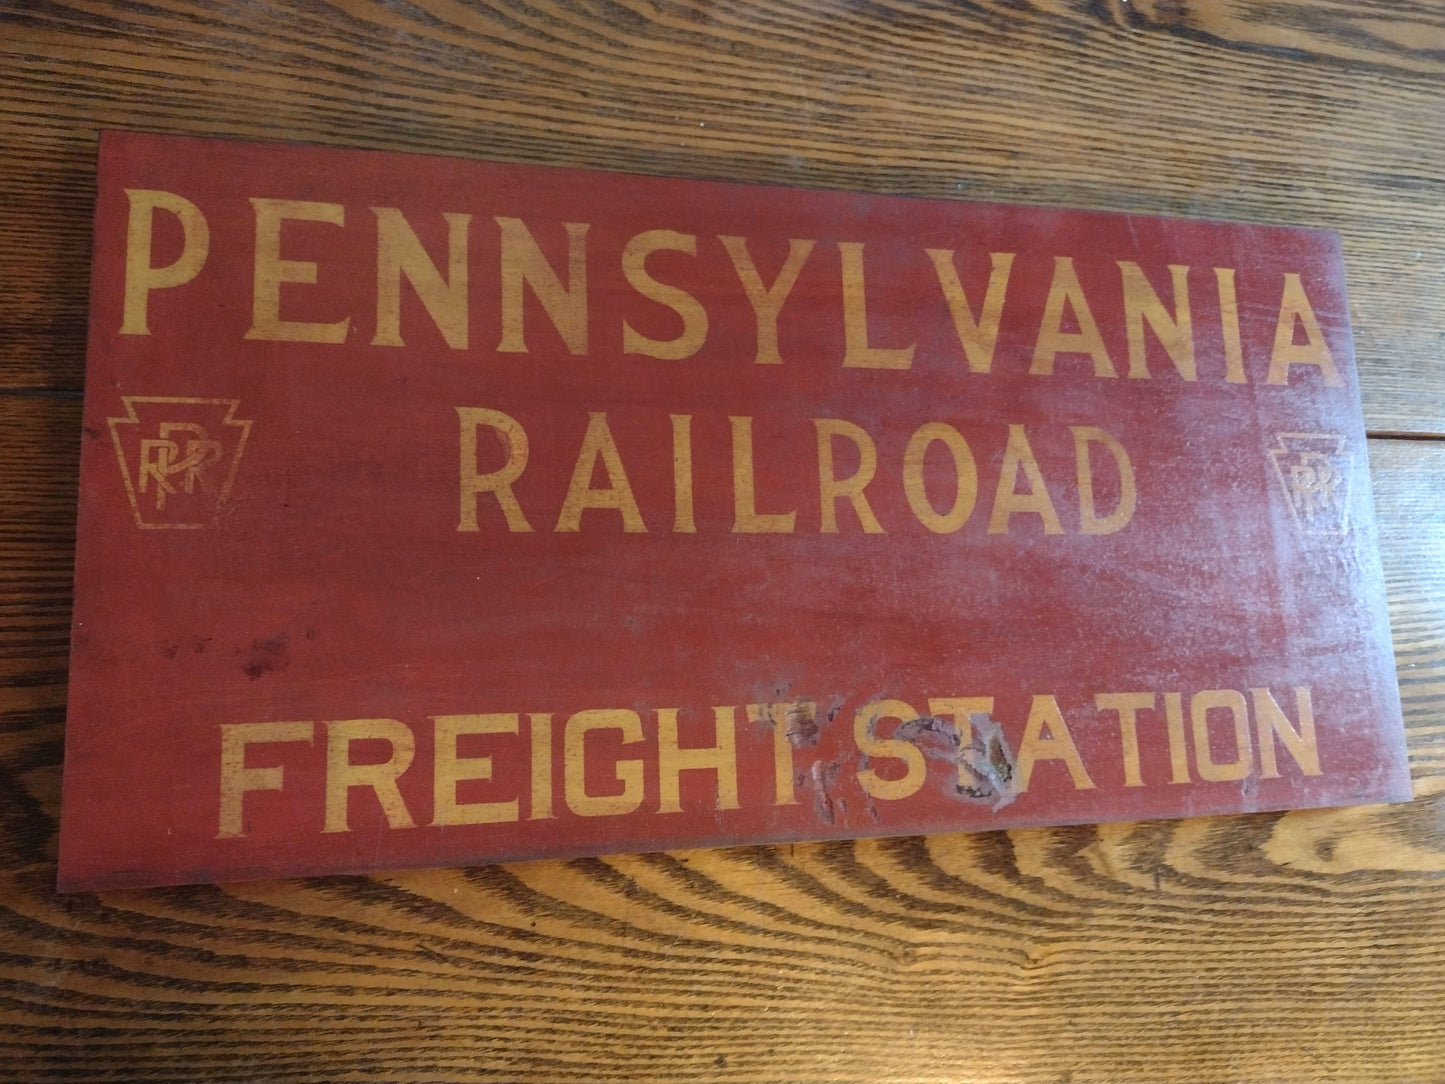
column 627, row 772
column 966, row 493
column 598, row 444
column 1019, row 456
column 865, row 723
column 524, row 265
column 1229, row 326
column 1200, row 705
column 1271, row 722
column 1174, row 332
column 1046, row 737
column 978, row 336
column 682, row 521
column 1294, row 307
column 514, row 440
column 746, row 518
column 767, row 301
column 271, row 272
column 399, row 253
column 721, row 758
column 857, row 352
column 694, row 316
column 140, row 277
column 541, row 727
column 1053, row 340
column 832, row 488
column 1178, row 749
column 790, row 722
column 342, row 774
column 1128, row 705
column 959, row 708
column 1089, row 522
column 450, row 769
column 237, row 779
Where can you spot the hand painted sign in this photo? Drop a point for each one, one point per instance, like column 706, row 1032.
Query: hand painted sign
column 440, row 512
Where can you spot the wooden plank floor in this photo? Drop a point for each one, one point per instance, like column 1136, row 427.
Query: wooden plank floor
column 1305, row 946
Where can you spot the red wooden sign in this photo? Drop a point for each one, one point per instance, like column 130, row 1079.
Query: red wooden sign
column 440, row 512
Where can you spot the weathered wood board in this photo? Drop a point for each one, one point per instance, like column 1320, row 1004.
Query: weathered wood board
column 440, row 512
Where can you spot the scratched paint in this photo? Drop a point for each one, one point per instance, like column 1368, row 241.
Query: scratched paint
column 439, row 512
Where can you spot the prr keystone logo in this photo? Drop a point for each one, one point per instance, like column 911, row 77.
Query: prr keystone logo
column 178, row 457
column 1314, row 471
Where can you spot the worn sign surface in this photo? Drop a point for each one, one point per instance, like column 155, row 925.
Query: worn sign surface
column 441, row 512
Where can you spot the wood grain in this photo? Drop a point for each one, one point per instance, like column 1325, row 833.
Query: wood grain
column 1308, row 113
column 1308, row 945
column 1299, row 946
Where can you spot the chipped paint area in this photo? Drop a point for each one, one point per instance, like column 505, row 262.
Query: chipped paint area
column 986, row 765
column 802, row 727
column 761, row 626
column 824, row 777
column 991, row 762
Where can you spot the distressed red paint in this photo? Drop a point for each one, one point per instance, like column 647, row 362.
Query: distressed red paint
column 838, row 515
